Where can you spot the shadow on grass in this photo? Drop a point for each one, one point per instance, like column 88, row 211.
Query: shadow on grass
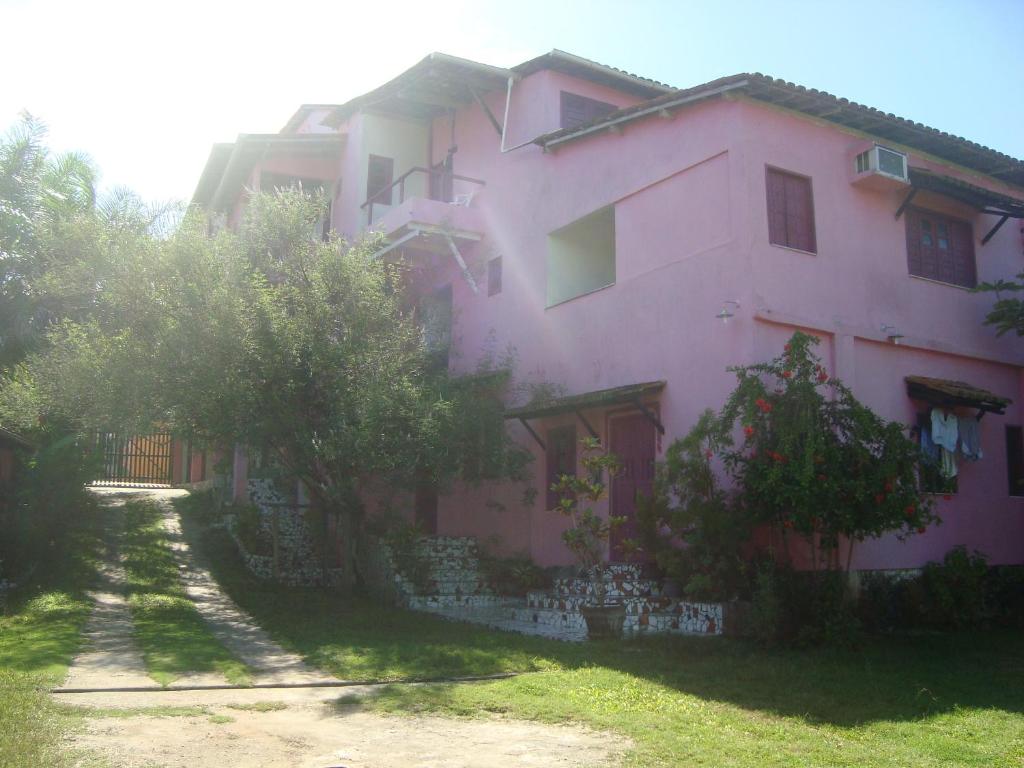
column 41, row 632
column 898, row 678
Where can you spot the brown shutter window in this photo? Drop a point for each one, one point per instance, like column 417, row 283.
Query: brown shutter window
column 494, row 276
column 940, row 248
column 379, row 177
column 561, row 458
column 577, row 110
column 790, row 211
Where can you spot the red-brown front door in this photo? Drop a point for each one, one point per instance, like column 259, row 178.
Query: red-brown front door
column 633, row 441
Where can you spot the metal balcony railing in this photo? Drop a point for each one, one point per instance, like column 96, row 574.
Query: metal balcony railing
column 441, row 186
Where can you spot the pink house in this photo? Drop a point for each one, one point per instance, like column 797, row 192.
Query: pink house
column 605, row 226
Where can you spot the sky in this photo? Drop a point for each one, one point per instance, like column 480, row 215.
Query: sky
column 146, row 87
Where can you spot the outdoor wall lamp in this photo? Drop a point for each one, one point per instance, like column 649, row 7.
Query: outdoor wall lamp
column 726, row 313
column 892, row 334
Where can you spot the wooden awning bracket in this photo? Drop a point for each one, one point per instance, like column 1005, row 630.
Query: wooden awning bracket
column 590, row 429
column 906, row 202
column 487, row 110
column 995, row 229
column 466, row 274
column 533, row 434
column 650, row 415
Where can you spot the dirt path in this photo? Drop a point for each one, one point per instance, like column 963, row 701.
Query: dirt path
column 314, row 735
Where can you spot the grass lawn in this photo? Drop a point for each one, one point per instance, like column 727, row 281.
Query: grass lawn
column 39, row 637
column 926, row 700
column 171, row 634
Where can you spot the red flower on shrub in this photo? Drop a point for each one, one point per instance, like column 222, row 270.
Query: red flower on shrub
column 910, row 510
column 888, row 486
column 748, row 431
column 921, row 529
column 879, row 498
column 822, row 377
column 787, row 374
column 708, row 454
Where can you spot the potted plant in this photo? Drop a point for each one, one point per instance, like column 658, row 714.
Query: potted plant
column 587, row 537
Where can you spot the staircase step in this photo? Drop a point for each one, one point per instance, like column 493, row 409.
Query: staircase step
column 634, row 605
column 503, row 617
column 613, row 587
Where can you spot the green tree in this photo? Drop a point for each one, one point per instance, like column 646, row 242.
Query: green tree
column 815, row 462
column 306, row 350
column 1007, row 314
column 39, row 193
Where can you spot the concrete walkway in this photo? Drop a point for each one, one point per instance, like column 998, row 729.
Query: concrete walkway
column 269, row 663
column 111, row 660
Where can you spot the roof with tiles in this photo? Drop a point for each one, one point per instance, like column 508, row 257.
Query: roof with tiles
column 821, row 105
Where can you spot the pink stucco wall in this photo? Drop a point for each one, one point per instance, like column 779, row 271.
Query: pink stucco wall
column 691, row 232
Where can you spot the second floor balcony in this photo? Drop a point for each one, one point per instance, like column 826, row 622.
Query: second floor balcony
column 425, row 200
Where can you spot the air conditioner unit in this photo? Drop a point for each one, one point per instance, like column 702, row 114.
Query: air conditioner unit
column 880, row 167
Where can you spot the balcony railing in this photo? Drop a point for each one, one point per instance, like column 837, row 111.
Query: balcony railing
column 441, row 186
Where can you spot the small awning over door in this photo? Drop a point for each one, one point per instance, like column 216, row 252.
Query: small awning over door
column 632, row 394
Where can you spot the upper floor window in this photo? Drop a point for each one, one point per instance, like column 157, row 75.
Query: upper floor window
column 581, row 256
column 577, row 110
column 790, row 211
column 940, row 248
column 380, row 176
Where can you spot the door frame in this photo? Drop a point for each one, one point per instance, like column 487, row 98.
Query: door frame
column 611, row 416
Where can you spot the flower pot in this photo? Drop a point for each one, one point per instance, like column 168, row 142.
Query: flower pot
column 603, row 621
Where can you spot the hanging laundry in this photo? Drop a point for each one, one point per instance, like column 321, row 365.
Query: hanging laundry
column 945, row 431
column 947, row 465
column 928, row 446
column 970, row 438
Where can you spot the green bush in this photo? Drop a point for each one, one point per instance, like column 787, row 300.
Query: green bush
column 249, row 530
column 50, row 490
column 402, row 539
column 961, row 592
column 205, row 506
column 802, row 608
column 955, row 590
column 515, row 575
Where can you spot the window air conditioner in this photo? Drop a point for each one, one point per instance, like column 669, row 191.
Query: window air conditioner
column 881, row 164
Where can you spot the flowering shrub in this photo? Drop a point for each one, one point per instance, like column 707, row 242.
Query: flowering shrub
column 587, row 537
column 816, row 463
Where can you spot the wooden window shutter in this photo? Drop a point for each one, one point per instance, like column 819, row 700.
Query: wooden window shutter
column 915, row 260
column 494, row 276
column 800, row 214
column 790, row 211
column 561, row 458
column 380, row 175
column 776, row 207
column 577, row 110
column 962, row 246
column 940, row 248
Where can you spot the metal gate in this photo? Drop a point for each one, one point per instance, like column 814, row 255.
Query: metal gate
column 135, row 459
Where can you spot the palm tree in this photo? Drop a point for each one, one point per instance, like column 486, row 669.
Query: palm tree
column 39, row 191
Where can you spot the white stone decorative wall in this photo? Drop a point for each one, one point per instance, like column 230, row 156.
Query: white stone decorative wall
column 298, row 563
